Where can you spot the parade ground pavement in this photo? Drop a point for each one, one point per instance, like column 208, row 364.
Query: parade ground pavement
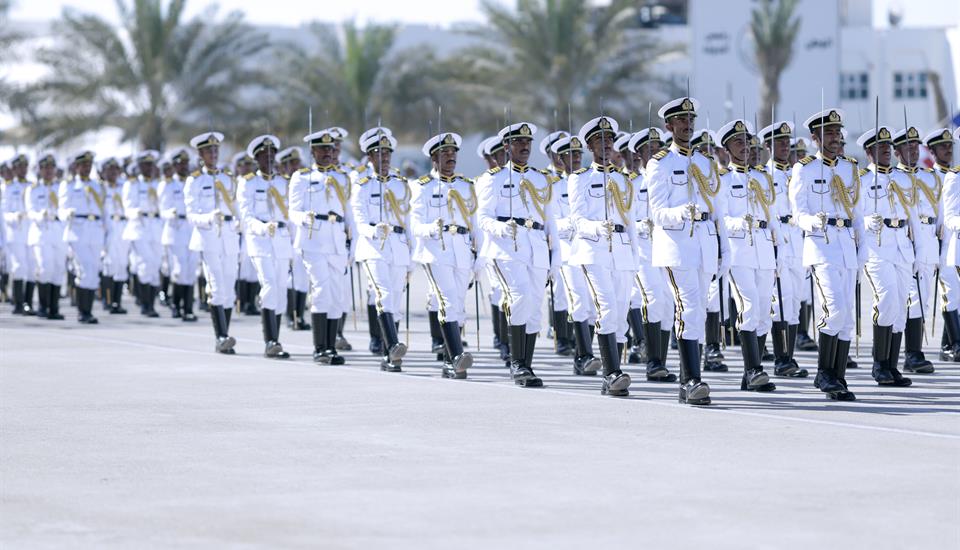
column 134, row 434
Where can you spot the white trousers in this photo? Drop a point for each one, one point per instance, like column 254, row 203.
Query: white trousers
column 560, row 301
column 653, row 295
column 608, row 289
column 146, row 258
column 791, row 289
column 890, row 283
column 836, row 290
column 388, row 281
column 523, row 288
column 949, row 288
column 580, row 304
column 689, row 288
column 116, row 258
column 299, row 279
column 18, row 260
column 220, row 271
column 327, row 293
column 448, row 284
column 183, row 264
column 50, row 262
column 272, row 273
column 922, row 294
column 247, row 271
column 86, row 265
column 496, row 293
column 751, row 290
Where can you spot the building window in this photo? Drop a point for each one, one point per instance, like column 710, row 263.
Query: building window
column 909, row 85
column 854, row 85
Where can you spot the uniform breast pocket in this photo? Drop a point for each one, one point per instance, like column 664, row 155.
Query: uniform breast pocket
column 509, row 190
column 596, row 191
column 374, row 200
column 738, row 191
column 437, row 200
column 820, row 187
column 678, row 177
column 877, row 191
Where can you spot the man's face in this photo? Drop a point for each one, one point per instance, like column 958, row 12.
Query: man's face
column 520, row 150
column 265, row 159
column 831, row 144
column 83, row 168
column 210, row 155
column 380, row 159
column 181, row 166
column 291, row 165
column 781, row 149
column 48, row 171
column 500, row 157
column 323, row 155
column 168, row 171
column 722, row 156
column 445, row 160
column 572, row 160
column 909, row 152
column 5, row 172
column 884, row 153
column 682, row 128
column 146, row 168
column 601, row 145
column 943, row 153
column 555, row 159
column 737, row 148
column 20, row 169
column 111, row 172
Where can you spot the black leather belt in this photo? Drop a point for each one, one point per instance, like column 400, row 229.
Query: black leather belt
column 90, row 217
column 617, row 228
column 529, row 224
column 786, row 219
column 702, row 217
column 894, row 223
column 280, row 225
column 119, row 218
column 181, row 216
column 761, row 224
column 332, row 216
column 152, row 215
column 393, row 228
column 839, row 222
column 458, row 229
column 228, row 218
column 928, row 220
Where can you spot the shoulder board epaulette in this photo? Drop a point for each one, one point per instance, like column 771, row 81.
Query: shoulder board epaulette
column 928, row 170
column 304, row 170
column 250, row 176
column 708, row 155
column 34, row 184
column 955, row 169
column 494, row 170
column 806, row 160
column 424, row 179
column 850, row 159
column 759, row 168
column 722, row 171
column 632, row 175
column 542, row 171
column 363, row 180
column 862, row 172
column 401, row 178
column 340, row 169
column 581, row 170
column 660, row 154
column 464, row 178
column 195, row 174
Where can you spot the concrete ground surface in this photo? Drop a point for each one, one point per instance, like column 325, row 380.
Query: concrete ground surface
column 134, row 434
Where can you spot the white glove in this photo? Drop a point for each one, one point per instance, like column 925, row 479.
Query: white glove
column 819, row 221
column 504, row 230
column 690, row 211
column 744, row 224
column 724, row 266
column 874, row 222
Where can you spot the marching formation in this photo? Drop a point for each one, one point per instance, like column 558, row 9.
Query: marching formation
column 682, row 236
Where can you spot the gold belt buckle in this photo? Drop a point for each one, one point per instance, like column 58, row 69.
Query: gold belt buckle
column 528, row 223
column 91, row 217
column 895, row 222
column 841, row 222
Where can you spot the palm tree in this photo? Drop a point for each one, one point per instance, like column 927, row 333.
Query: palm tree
column 774, row 30
column 547, row 54
column 157, row 78
column 354, row 77
column 8, row 39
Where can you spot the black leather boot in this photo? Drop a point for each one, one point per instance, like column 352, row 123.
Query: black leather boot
column 332, row 326
column 804, row 342
column 692, row 390
column 28, row 298
column 318, row 324
column 528, row 350
column 946, row 350
column 615, row 382
column 495, row 321
column 712, row 356
column 504, row 338
column 765, row 354
column 225, row 342
column 300, row 311
column 53, row 303
column 951, row 325
column 826, row 378
column 456, row 361
column 840, row 363
column 518, row 345
column 436, row 335
column 637, row 336
column 341, row 343
column 186, row 297
column 373, row 328
column 18, row 297
column 560, row 333
column 914, row 360
column 584, row 364
column 881, row 354
column 175, row 311
column 85, row 299
column 899, row 380
column 116, row 299
column 394, row 349
column 149, row 299
column 664, row 347
column 271, row 334
column 754, row 379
